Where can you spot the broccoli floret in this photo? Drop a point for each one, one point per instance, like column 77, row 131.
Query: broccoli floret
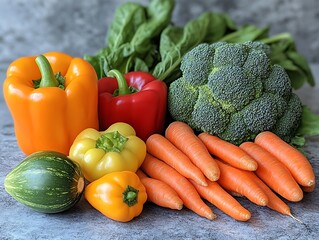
column 231, row 87
column 230, row 54
column 182, row 98
column 288, row 124
column 216, row 45
column 261, row 114
column 207, row 114
column 278, row 82
column 233, row 91
column 280, row 102
column 194, row 66
column 257, row 64
column 259, row 46
column 236, row 131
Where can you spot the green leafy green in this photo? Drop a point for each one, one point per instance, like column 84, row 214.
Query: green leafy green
column 132, row 37
column 127, row 19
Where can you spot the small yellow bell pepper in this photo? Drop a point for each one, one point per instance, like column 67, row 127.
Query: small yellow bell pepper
column 118, row 195
column 115, row 149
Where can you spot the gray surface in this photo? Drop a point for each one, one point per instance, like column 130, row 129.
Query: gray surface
column 66, row 26
column 31, row 27
column 83, row 222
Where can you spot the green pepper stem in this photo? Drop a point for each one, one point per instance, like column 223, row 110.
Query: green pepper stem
column 111, row 142
column 121, row 81
column 130, row 196
column 47, row 76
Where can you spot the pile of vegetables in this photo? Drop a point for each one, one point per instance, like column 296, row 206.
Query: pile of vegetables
column 173, row 115
column 141, row 39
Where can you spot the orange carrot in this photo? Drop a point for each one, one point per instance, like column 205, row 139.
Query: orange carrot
column 228, row 152
column 294, row 160
column 236, row 180
column 160, row 170
column 217, row 196
column 273, row 172
column 160, row 147
column 160, row 193
column 184, row 138
column 274, row 202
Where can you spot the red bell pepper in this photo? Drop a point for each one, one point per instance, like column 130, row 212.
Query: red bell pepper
column 136, row 98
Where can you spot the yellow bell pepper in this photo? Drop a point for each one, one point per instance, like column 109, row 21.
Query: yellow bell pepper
column 115, row 149
column 118, row 195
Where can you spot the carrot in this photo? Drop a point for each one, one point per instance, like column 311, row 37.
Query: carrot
column 160, row 170
column 274, row 202
column 217, row 196
column 294, row 160
column 228, row 152
column 273, row 172
column 184, row 138
column 236, row 180
column 160, row 147
column 160, row 193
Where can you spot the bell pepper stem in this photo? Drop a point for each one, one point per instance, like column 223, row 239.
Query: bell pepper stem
column 130, row 195
column 111, row 141
column 121, row 81
column 47, row 76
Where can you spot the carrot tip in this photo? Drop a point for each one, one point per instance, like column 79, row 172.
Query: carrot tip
column 308, row 183
column 296, row 197
column 311, row 183
column 213, row 177
column 252, row 167
column 245, row 217
column 251, row 164
column 263, row 202
column 179, row 207
column 211, row 216
column 202, row 183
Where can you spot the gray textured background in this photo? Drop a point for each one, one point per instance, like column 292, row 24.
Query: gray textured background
column 78, row 27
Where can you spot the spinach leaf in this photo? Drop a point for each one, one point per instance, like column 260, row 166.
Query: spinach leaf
column 159, row 15
column 132, row 37
column 127, row 19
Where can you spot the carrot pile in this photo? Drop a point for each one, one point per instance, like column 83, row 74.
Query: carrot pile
column 183, row 169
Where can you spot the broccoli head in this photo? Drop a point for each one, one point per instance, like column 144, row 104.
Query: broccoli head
column 233, row 91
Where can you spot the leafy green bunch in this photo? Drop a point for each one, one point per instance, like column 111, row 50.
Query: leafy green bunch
column 144, row 38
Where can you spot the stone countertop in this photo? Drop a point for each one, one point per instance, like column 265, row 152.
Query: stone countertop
column 84, row 222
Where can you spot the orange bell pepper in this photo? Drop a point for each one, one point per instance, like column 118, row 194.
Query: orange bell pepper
column 49, row 110
column 118, row 195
